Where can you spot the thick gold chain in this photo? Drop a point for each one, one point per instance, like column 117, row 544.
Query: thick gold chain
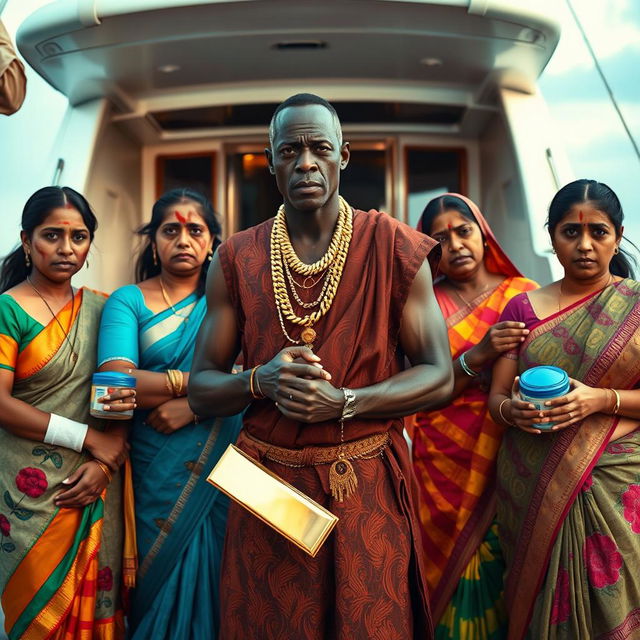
column 333, row 260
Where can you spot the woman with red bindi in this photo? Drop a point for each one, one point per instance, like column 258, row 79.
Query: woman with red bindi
column 148, row 330
column 59, row 468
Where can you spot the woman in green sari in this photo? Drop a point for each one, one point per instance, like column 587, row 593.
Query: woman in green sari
column 60, row 519
column 569, row 496
column 149, row 330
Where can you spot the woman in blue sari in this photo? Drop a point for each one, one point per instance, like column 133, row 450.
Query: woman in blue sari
column 149, row 330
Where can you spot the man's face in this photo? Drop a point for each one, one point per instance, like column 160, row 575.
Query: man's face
column 306, row 157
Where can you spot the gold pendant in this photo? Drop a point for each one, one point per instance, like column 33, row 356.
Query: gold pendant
column 342, row 479
column 308, row 335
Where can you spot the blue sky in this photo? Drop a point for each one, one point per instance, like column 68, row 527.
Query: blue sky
column 593, row 137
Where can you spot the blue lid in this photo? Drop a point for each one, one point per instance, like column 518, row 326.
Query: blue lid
column 113, row 379
column 544, row 382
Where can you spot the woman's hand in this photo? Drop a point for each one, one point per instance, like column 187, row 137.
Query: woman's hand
column 500, row 338
column 118, row 400
column 170, row 416
column 86, row 484
column 523, row 415
column 107, row 447
column 579, row 403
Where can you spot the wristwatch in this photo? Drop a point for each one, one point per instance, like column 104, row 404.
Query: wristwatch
column 349, row 408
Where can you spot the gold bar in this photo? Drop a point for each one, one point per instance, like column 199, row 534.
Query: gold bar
column 283, row 507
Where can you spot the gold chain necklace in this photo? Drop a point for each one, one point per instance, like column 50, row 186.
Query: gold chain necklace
column 168, row 301
column 73, row 355
column 611, row 279
column 293, row 283
column 283, row 253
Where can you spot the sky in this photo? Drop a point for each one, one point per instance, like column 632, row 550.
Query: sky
column 593, row 136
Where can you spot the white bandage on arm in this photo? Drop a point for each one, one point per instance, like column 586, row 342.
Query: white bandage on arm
column 64, row 432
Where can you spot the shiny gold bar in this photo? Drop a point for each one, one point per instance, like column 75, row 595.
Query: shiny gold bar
column 289, row 511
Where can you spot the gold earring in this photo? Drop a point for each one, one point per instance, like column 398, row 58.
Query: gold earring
column 27, row 259
column 155, row 255
column 616, row 251
column 210, row 255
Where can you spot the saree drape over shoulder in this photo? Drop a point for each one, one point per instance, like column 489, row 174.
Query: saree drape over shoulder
column 180, row 518
column 367, row 580
column 60, row 569
column 568, row 508
column 454, row 454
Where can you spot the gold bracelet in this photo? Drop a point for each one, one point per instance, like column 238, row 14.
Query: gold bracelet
column 251, row 383
column 167, row 382
column 616, row 406
column 105, row 469
column 176, row 381
column 502, row 414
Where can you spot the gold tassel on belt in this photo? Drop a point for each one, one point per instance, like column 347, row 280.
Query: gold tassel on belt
column 343, row 480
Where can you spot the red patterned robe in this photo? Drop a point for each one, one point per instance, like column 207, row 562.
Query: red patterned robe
column 367, row 581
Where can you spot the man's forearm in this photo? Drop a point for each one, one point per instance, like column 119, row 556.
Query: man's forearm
column 215, row 393
column 416, row 389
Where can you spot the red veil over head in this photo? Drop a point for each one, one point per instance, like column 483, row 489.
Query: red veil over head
column 495, row 259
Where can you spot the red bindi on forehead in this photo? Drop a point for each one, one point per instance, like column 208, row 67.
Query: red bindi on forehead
column 449, row 226
column 580, row 215
column 179, row 217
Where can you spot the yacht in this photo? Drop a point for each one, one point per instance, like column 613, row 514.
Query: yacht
column 433, row 95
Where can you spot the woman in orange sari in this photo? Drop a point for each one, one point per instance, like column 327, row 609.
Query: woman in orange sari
column 455, row 447
column 60, row 522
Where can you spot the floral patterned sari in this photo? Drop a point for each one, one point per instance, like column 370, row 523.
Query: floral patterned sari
column 569, row 502
column 59, row 568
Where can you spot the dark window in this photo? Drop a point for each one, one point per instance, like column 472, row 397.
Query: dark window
column 192, row 171
column 429, row 173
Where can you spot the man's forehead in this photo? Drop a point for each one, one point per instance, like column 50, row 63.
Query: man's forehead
column 314, row 118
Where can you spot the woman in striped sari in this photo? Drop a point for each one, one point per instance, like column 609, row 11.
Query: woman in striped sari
column 569, row 497
column 149, row 330
column 454, row 447
column 60, row 521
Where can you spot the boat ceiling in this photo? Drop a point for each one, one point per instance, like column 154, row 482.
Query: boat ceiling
column 151, row 56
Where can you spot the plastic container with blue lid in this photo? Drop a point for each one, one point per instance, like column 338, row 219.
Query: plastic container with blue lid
column 104, row 383
column 539, row 384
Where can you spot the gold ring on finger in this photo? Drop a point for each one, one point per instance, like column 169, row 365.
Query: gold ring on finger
column 570, row 415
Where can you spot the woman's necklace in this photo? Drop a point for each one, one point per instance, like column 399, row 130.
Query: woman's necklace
column 466, row 303
column 560, row 294
column 284, row 260
column 168, row 301
column 74, row 355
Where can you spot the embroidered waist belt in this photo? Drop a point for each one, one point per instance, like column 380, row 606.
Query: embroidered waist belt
column 342, row 476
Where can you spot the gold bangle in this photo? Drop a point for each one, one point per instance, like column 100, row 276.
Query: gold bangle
column 176, row 382
column 502, row 414
column 167, row 382
column 251, row 383
column 616, row 406
column 105, row 469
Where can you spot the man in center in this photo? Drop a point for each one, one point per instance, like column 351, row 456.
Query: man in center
column 325, row 302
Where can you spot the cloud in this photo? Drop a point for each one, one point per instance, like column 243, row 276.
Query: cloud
column 610, row 26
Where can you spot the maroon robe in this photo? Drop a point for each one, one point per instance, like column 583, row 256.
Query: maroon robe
column 367, row 580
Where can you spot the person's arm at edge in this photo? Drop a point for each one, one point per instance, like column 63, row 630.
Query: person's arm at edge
column 211, row 383
column 424, row 340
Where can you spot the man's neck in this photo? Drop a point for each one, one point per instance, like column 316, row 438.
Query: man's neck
column 311, row 231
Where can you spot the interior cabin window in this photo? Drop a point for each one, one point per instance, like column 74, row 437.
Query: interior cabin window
column 195, row 171
column 429, row 173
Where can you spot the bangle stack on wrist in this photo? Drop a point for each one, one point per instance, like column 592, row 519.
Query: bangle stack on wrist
column 105, row 469
column 175, row 382
column 465, row 367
